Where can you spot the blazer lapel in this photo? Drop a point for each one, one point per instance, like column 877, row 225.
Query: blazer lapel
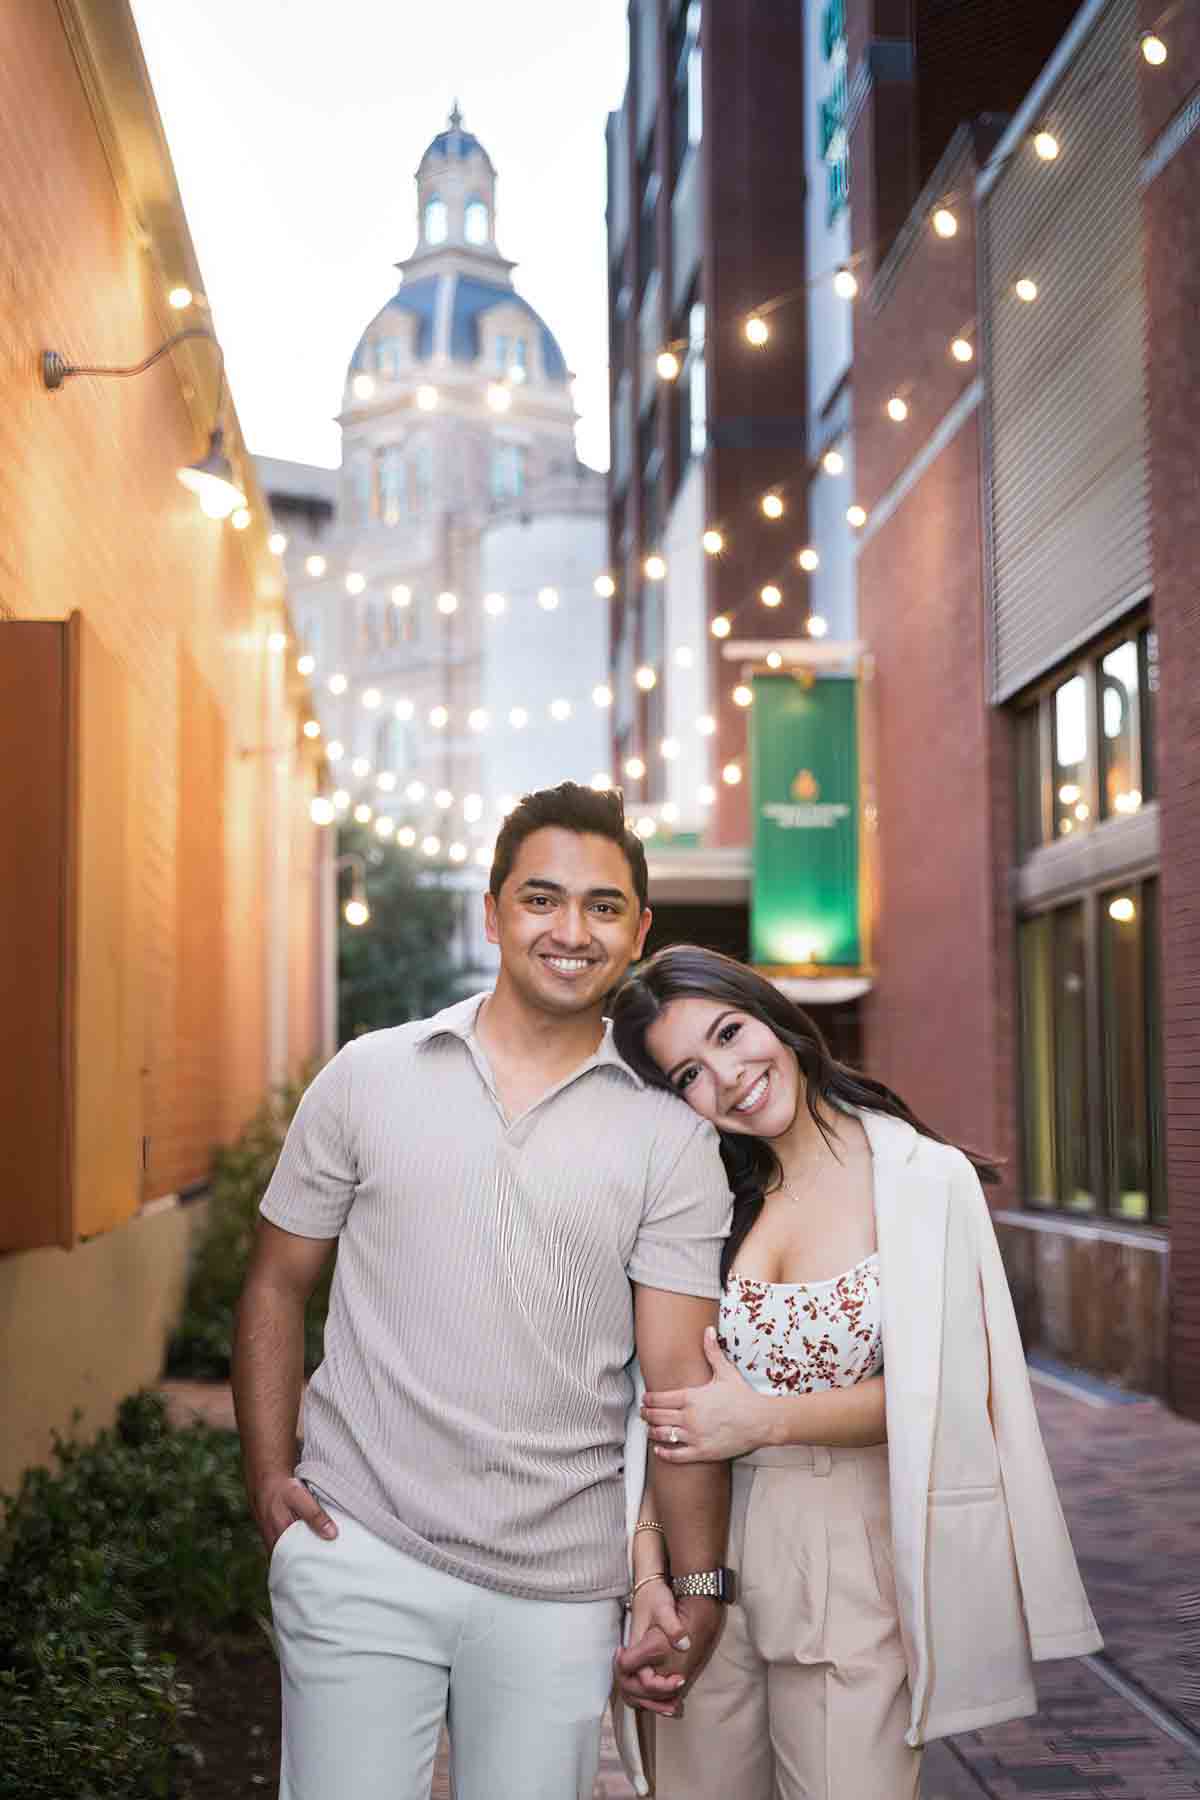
column 911, row 1212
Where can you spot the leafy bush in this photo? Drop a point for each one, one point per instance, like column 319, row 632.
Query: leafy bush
column 203, row 1343
column 125, row 1548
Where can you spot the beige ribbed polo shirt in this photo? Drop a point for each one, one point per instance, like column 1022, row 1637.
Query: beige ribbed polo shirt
column 472, row 1401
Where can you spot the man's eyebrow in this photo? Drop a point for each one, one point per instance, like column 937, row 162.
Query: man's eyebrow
column 715, row 1026
column 546, row 886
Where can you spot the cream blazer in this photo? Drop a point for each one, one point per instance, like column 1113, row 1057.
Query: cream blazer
column 986, row 1577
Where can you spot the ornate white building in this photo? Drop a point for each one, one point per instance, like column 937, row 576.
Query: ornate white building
column 446, row 599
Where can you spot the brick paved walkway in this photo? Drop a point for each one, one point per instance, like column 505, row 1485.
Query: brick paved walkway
column 1129, row 1474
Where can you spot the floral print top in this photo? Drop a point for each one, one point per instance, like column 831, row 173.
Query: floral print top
column 794, row 1337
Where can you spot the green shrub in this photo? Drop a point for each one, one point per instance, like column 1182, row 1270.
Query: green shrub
column 124, row 1548
column 203, row 1343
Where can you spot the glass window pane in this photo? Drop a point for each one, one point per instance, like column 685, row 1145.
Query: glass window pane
column 1075, row 1186
column 1037, row 1060
column 1030, row 831
column 1120, row 749
column 1071, row 809
column 1126, row 1076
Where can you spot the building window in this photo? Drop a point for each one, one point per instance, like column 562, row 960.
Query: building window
column 649, row 187
column 391, row 484
column 388, row 355
column 420, row 472
column 437, row 221
column 1085, row 745
column 835, row 147
column 687, row 99
column 358, row 489
column 508, row 471
column 1129, row 1033
column 475, row 222
column 520, row 355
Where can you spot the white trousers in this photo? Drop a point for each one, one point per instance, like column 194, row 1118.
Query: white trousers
column 377, row 1649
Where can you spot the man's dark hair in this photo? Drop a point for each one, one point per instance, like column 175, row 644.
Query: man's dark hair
column 569, row 807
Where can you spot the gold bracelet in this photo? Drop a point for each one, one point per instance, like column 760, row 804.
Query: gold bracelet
column 658, row 1575
column 649, row 1525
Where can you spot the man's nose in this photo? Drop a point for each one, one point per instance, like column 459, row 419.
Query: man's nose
column 571, row 926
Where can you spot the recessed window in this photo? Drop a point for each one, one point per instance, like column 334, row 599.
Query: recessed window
column 475, row 222
column 508, row 471
column 437, row 221
column 1054, row 1064
column 1120, row 730
column 392, row 484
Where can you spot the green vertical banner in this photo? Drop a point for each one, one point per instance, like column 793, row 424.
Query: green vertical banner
column 804, row 756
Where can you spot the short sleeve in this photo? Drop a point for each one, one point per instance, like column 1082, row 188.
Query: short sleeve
column 312, row 1189
column 686, row 1217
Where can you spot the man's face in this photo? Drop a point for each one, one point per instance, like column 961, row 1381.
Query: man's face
column 567, row 920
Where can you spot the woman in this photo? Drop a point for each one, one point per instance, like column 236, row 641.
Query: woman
column 900, row 1551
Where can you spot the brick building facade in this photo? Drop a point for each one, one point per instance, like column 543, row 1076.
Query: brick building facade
column 164, row 883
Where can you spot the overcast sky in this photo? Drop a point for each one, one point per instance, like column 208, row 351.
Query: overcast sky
column 296, row 127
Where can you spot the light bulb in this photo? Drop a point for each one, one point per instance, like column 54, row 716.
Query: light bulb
column 385, row 781
column 340, row 798
column 772, row 506
column 669, row 748
column 845, row 284
column 706, row 794
column 645, row 827
column 371, row 698
column 427, row 398
column 560, row 710
column 757, row 331
column 731, row 774
column 1026, row 289
column 646, row 678
column 1154, row 50
column 355, row 583
column 602, row 694
column 406, row 836
column 457, row 853
column 473, row 808
column 277, row 543
column 431, row 845
column 499, row 398
column 518, row 718
column 240, row 518
column 315, row 565
column 706, row 724
column 360, row 767
column 401, row 594
column 635, row 768
column 774, row 660
column 654, row 568
column 856, row 516
column 817, row 626
column 548, row 599
column 962, row 350
column 356, row 912
column 179, row 297
column 494, row 604
column 385, row 826
column 338, row 684
column 770, row 595
column 809, row 560
column 721, row 626
column 477, row 719
column 944, row 222
column 713, row 542
column 743, row 695
column 363, row 386
column 443, row 799
column 833, row 462
column 601, row 781
column 897, row 409
column 305, row 664
column 311, row 728
column 439, row 718
column 667, row 365
column 404, row 710
column 483, row 857
column 322, row 811
column 447, row 603
column 1122, row 910
column 668, row 812
column 334, row 751
column 415, row 791
column 1046, row 145
column 605, row 586
column 362, row 813
column 277, row 641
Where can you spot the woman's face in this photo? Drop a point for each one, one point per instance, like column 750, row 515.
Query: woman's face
column 727, row 1065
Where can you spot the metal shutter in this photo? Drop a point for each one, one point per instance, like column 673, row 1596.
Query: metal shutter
column 1068, row 471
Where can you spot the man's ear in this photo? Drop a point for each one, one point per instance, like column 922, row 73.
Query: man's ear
column 644, row 924
column 491, row 918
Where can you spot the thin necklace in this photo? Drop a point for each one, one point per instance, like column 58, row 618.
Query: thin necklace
column 810, row 1163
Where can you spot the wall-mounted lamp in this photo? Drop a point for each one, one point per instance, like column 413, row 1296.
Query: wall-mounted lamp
column 211, row 479
column 356, row 911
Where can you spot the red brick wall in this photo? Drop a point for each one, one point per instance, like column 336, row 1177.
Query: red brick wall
column 1172, row 224
column 92, row 517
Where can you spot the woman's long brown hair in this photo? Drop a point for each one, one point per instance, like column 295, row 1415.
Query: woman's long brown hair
column 685, row 971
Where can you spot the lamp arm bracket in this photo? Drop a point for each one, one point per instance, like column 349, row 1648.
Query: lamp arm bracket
column 56, row 369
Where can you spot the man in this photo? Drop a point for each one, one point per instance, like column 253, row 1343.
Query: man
column 513, row 1210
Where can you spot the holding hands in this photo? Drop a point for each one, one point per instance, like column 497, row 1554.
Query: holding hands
column 708, row 1424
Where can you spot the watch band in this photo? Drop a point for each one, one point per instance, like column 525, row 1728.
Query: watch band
column 707, row 1584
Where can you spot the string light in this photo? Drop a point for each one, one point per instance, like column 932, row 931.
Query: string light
column 404, row 710
column 667, row 365
column 338, row 684
column 360, row 767
column 1026, row 289
column 483, row 857
column 897, row 409
column 1046, row 145
column 668, row 812
column 277, row 641
column 356, row 912
column 945, row 223
column 458, row 853
column 706, row 724
column 817, row 626
column 363, row 386
column 560, row 710
column 427, row 399
column 602, row 694
column 731, row 774
column 494, row 604
column 499, row 398
column 757, row 331
column 646, row 678
column 473, row 808
column 518, row 718
column 385, row 781
column 277, row 543
column 833, row 462
column 447, row 604
column 340, row 798
column 385, row 825
column 355, row 583
column 601, row 781
column 477, row 719
column 635, row 768
column 431, row 845
column 362, row 813
column 305, row 664
column 856, row 516
column 962, row 350
column 321, row 811
column 179, row 298
column 406, row 836
column 401, row 594
column 743, row 696
column 241, row 518
column 371, row 698
column 772, row 506
column 669, row 749
column 443, row 799
column 774, row 660
column 604, row 586
column 334, row 751
column 706, row 794
column 721, row 626
column 548, row 598
column 654, row 568
column 845, row 284
column 770, row 595
column 1153, row 49
column 315, row 565
column 713, row 542
column 645, row 827
column 809, row 560
column 439, row 718
column 1123, row 910
column 415, row 791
